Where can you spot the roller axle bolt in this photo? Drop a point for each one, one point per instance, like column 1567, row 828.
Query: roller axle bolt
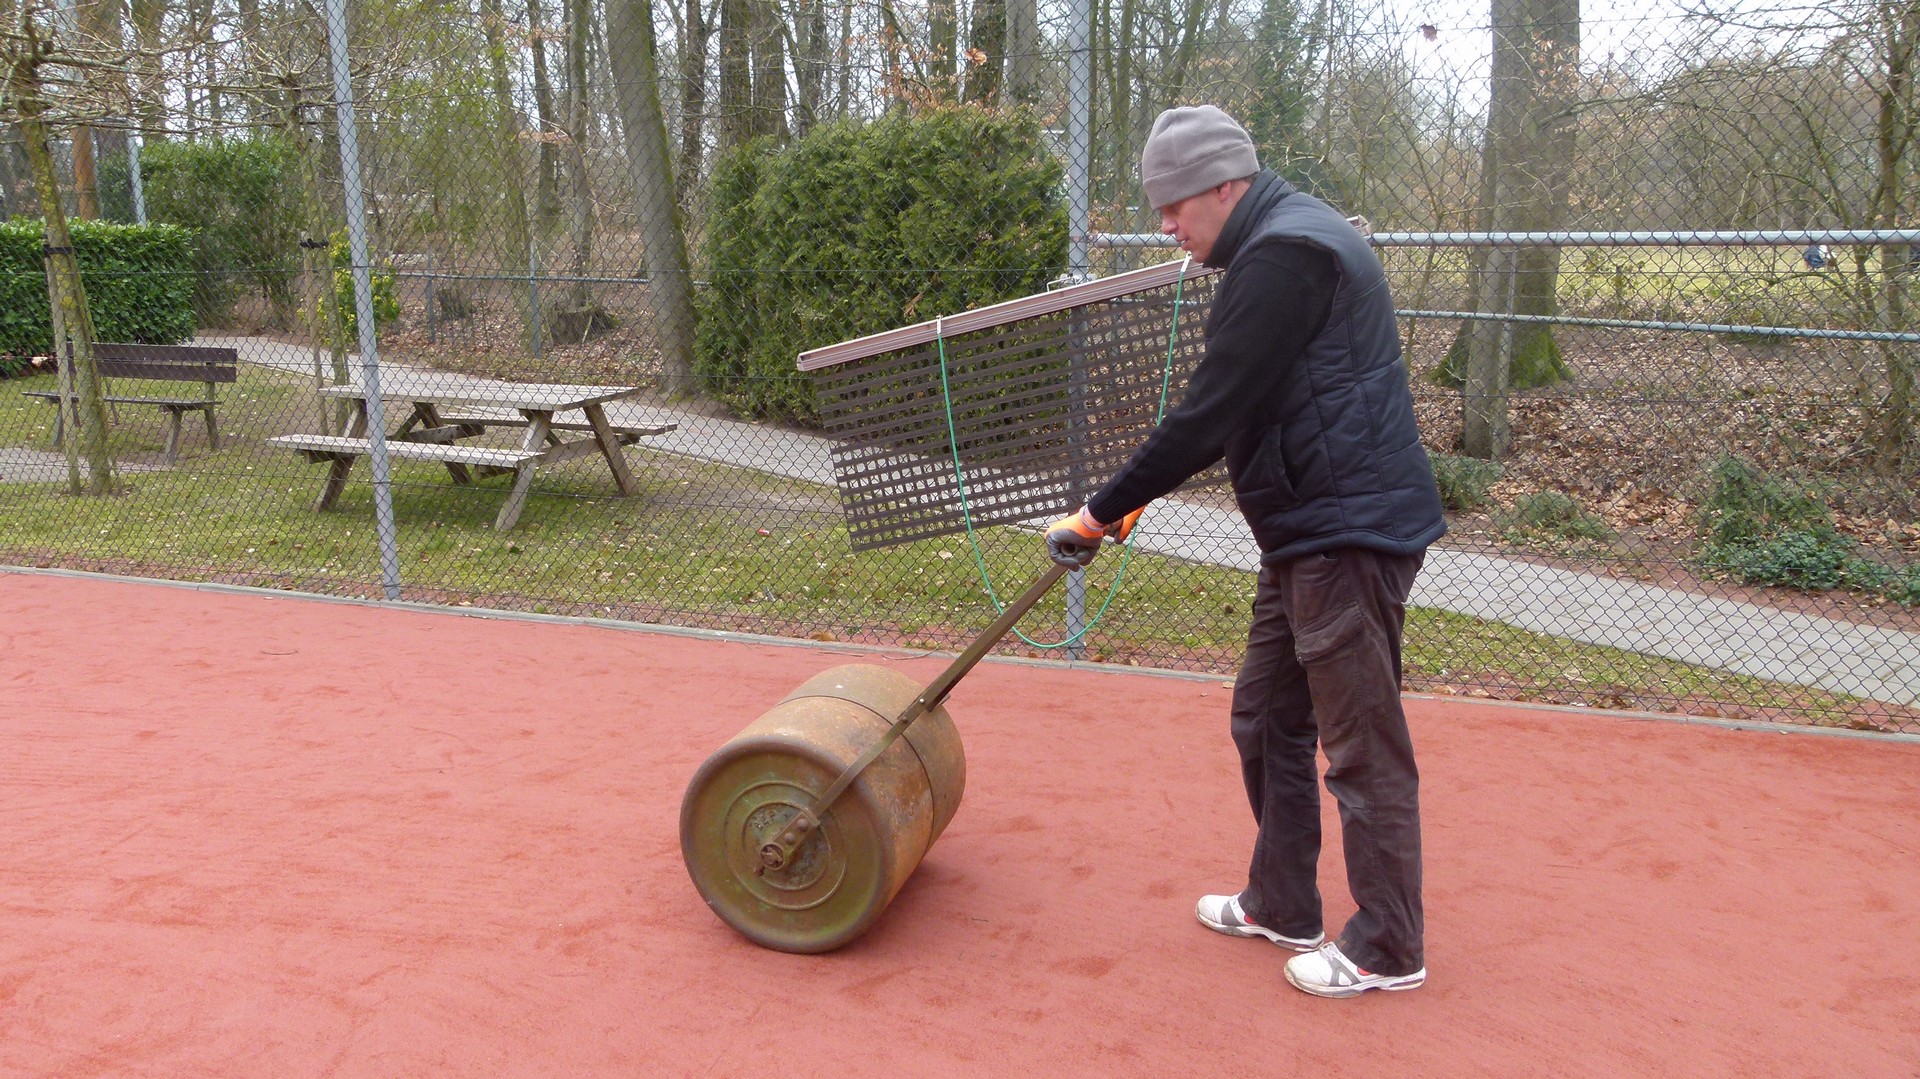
column 774, row 855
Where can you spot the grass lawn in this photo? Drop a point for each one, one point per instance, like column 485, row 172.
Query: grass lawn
column 710, row 545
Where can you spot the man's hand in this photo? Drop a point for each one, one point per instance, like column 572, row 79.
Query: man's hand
column 1073, row 540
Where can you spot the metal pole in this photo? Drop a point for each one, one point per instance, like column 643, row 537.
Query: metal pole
column 533, row 296
column 1079, row 195
column 133, row 171
column 1748, row 238
column 356, row 208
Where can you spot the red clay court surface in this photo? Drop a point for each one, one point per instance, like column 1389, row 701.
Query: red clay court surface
column 258, row 835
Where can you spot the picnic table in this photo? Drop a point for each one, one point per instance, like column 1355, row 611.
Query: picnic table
column 444, row 412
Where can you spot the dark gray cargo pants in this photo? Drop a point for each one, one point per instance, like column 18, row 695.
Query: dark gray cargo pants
column 1323, row 665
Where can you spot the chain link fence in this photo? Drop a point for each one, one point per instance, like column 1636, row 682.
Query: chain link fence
column 499, row 302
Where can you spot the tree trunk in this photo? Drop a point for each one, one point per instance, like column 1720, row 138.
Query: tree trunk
column 99, row 22
column 736, row 73
column 811, row 61
column 578, row 301
column 149, row 104
column 636, row 83
column 986, row 52
column 86, row 182
column 1185, row 52
column 66, row 297
column 693, row 99
column 509, row 170
column 845, row 82
column 1118, row 184
column 1525, row 181
column 1023, row 52
column 1896, row 435
column 769, row 71
column 546, row 203
column 943, row 31
column 17, row 191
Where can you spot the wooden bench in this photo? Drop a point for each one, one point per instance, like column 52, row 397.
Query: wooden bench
column 208, row 365
column 341, row 450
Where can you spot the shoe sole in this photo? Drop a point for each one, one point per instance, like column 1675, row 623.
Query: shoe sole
column 1341, row 992
column 1292, row 943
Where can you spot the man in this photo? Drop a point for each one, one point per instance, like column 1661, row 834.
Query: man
column 1303, row 391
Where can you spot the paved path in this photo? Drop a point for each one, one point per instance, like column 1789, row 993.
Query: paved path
column 1842, row 657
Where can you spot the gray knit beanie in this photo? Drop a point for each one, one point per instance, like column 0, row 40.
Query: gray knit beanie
column 1192, row 149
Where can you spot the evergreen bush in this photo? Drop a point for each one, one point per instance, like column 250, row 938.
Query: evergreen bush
column 1550, row 514
column 862, row 227
column 138, row 278
column 1744, row 503
column 241, row 198
column 1463, row 481
column 1769, row 530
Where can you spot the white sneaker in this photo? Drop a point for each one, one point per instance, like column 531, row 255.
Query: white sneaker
column 1325, row 972
column 1222, row 914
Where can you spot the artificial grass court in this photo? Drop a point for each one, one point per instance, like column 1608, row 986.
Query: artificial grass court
column 260, row 834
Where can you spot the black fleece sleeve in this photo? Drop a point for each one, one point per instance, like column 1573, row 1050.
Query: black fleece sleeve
column 1277, row 301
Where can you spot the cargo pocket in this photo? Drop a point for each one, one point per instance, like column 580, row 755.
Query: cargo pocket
column 1324, row 614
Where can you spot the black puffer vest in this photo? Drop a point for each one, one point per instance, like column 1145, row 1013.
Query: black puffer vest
column 1337, row 460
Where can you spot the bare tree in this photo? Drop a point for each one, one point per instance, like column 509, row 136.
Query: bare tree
column 1823, row 130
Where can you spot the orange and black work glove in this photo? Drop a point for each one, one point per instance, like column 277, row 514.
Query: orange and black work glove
column 1073, row 540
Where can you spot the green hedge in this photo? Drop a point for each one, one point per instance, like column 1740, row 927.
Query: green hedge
column 139, row 282
column 859, row 228
column 241, row 198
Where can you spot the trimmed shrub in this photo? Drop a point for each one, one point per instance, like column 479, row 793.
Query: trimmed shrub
column 241, row 197
column 859, row 228
column 139, row 282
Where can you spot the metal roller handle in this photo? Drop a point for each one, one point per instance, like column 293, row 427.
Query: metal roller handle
column 774, row 854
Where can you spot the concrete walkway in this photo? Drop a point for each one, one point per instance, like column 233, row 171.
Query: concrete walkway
column 1782, row 646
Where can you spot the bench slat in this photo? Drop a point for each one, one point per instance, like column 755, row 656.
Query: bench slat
column 414, row 451
column 166, row 402
column 178, row 363
column 522, row 421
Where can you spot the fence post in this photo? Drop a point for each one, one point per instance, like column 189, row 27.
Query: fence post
column 533, row 297
column 1079, row 183
column 356, row 209
column 133, row 173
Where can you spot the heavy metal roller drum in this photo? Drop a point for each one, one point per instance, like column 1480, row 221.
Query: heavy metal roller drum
column 801, row 829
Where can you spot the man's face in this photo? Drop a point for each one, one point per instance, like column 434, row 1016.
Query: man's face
column 1196, row 220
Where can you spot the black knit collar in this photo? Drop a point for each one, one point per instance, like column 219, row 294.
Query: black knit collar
column 1267, row 190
